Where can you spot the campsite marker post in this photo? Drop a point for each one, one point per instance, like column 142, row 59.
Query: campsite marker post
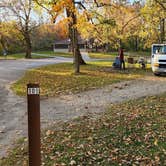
column 33, row 99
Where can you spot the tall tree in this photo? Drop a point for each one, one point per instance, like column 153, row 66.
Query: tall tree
column 10, row 37
column 113, row 21
column 45, row 35
column 59, row 7
column 22, row 11
column 153, row 29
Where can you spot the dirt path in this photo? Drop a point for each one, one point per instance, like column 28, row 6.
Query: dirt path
column 95, row 101
column 13, row 125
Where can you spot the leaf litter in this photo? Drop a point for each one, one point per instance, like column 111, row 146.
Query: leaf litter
column 131, row 133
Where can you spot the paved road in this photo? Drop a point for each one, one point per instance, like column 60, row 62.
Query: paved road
column 13, row 108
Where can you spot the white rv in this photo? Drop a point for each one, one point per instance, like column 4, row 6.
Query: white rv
column 158, row 60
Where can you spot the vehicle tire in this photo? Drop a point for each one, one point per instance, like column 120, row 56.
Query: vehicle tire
column 156, row 74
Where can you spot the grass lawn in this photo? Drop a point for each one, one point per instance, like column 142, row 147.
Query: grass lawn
column 21, row 56
column 139, row 54
column 103, row 55
column 59, row 78
column 112, row 55
column 14, row 56
column 46, row 53
column 52, row 53
column 131, row 133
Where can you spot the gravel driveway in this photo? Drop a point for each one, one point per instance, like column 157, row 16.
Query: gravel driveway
column 12, row 107
column 13, row 116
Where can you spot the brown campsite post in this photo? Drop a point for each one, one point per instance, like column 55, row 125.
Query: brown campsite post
column 33, row 97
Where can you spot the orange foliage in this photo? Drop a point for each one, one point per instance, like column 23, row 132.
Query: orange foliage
column 61, row 29
column 60, row 6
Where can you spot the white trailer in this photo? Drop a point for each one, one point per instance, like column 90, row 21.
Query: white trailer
column 158, row 59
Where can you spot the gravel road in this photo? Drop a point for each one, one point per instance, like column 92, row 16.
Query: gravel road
column 13, row 115
column 12, row 107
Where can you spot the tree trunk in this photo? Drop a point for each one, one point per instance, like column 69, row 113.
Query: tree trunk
column 81, row 60
column 162, row 25
column 120, row 43
column 136, row 43
column 75, row 52
column 96, row 48
column 73, row 35
column 28, row 52
column 28, row 46
column 2, row 41
column 75, row 43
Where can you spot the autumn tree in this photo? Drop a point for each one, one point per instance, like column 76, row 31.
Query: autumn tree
column 45, row 35
column 10, row 38
column 112, row 22
column 61, row 30
column 71, row 12
column 61, row 7
column 95, row 24
column 153, row 15
column 22, row 11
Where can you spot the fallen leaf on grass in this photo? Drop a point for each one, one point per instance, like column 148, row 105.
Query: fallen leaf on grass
column 156, row 142
column 72, row 162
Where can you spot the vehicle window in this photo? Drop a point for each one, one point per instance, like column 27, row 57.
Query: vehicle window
column 159, row 49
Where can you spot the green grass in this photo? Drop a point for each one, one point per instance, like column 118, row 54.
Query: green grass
column 59, row 78
column 139, row 54
column 21, row 56
column 52, row 53
column 13, row 56
column 112, row 55
column 103, row 55
column 46, row 53
column 131, row 133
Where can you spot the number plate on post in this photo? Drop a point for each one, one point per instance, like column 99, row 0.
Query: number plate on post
column 33, row 91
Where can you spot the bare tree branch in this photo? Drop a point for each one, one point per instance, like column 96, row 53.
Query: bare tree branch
column 161, row 4
column 44, row 7
column 102, row 4
column 130, row 20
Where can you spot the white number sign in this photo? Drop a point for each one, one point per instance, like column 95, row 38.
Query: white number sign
column 33, row 91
